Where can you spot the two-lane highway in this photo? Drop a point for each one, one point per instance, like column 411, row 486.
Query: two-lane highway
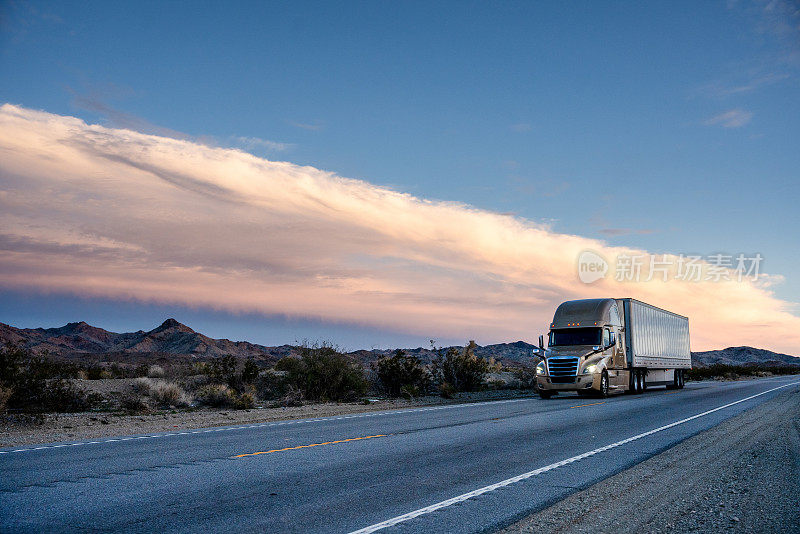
column 464, row 468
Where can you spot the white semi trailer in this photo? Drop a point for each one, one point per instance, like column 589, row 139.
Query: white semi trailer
column 603, row 346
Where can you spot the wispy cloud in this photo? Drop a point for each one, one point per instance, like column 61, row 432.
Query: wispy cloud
column 615, row 232
column 97, row 103
column 720, row 89
column 97, row 211
column 734, row 118
column 256, row 143
column 311, row 126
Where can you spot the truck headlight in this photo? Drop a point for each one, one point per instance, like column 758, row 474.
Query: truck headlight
column 589, row 369
column 540, row 368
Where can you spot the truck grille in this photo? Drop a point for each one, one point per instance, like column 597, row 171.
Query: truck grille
column 563, row 370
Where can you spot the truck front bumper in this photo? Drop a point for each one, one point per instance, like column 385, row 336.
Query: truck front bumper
column 581, row 382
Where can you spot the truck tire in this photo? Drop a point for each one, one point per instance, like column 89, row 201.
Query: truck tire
column 643, row 374
column 631, row 383
column 604, row 385
column 676, row 380
column 637, row 382
column 545, row 394
column 681, row 382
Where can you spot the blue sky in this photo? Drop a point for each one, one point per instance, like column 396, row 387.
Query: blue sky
column 668, row 127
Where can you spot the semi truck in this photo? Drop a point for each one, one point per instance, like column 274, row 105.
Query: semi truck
column 607, row 346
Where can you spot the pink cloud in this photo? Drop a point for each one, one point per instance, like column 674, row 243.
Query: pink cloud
column 115, row 213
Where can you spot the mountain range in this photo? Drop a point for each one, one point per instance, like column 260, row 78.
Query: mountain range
column 175, row 340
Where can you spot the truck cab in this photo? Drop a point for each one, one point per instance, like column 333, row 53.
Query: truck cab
column 585, row 350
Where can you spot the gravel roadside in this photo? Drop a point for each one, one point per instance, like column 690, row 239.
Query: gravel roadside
column 17, row 430
column 740, row 476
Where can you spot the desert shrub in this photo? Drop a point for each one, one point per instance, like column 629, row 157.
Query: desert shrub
column 323, row 373
column 94, row 372
column 167, row 394
column 245, row 401
column 526, row 377
column 461, row 369
column 496, row 383
column 142, row 385
column 223, row 370
column 401, row 375
column 5, row 394
column 250, row 371
column 38, row 384
column 216, row 395
column 272, row 384
column 446, row 390
column 133, row 403
column 199, row 368
column 291, row 396
column 155, row 371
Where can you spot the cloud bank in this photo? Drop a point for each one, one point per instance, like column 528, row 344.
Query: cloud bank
column 96, row 211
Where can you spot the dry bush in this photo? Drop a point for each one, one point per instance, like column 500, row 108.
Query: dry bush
column 245, row 401
column 401, row 375
column 291, row 397
column 143, row 385
column 133, row 403
column 323, row 373
column 39, row 384
column 155, row 371
column 461, row 370
column 216, row 395
column 168, row 394
column 5, row 394
column 446, row 390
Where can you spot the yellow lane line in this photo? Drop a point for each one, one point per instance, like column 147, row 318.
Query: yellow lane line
column 310, row 445
column 582, row 405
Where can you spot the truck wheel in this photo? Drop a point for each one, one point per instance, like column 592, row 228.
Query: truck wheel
column 604, row 385
column 681, row 382
column 637, row 382
column 631, row 383
column 643, row 374
column 676, row 380
column 545, row 394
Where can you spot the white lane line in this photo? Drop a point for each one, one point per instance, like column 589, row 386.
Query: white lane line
column 264, row 425
column 480, row 491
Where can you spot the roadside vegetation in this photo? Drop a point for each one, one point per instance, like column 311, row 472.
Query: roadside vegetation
column 735, row 372
column 39, row 383
column 401, row 375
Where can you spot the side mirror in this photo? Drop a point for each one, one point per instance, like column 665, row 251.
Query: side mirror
column 612, row 339
column 541, row 343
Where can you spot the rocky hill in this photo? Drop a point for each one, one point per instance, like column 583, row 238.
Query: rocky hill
column 171, row 338
column 742, row 356
column 176, row 340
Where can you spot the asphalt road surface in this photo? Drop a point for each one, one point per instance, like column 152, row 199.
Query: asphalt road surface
column 458, row 468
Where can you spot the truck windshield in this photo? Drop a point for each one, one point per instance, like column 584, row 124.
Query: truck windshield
column 575, row 336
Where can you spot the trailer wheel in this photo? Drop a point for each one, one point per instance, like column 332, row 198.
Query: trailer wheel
column 637, row 382
column 604, row 385
column 681, row 382
column 643, row 374
column 676, row 380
